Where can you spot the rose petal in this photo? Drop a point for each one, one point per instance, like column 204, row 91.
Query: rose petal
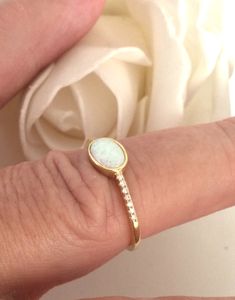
column 32, row 145
column 203, row 41
column 232, row 93
column 43, row 101
column 54, row 139
column 97, row 105
column 211, row 102
column 139, row 122
column 171, row 65
column 131, row 79
column 186, row 45
column 64, row 109
column 115, row 7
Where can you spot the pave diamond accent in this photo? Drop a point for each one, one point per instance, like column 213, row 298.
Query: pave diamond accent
column 119, row 177
column 122, row 183
column 127, row 197
column 124, row 190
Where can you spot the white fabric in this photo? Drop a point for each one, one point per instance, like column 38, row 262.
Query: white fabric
column 146, row 65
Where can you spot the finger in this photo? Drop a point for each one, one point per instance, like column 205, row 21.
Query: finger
column 34, row 33
column 181, row 174
column 63, row 218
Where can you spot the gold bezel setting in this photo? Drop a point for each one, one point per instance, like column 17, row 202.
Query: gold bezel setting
column 106, row 170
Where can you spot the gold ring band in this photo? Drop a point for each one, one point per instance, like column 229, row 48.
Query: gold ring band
column 110, row 157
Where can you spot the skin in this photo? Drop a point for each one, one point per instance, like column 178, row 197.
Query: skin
column 59, row 217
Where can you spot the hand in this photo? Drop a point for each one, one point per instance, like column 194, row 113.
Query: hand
column 59, row 218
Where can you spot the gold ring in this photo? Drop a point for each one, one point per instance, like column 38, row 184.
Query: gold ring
column 110, row 157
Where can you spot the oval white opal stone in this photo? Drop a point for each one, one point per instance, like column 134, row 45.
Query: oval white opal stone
column 108, row 153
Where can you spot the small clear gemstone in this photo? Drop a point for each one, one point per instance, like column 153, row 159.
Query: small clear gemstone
column 131, row 209
column 127, row 197
column 119, row 177
column 122, row 183
column 108, row 153
column 125, row 190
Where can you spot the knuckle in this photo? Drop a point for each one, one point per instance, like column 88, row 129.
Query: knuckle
column 60, row 197
column 25, row 212
column 84, row 193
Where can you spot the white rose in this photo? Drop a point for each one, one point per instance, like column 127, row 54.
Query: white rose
column 146, row 65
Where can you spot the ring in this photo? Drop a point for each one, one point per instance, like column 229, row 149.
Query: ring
column 110, row 158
